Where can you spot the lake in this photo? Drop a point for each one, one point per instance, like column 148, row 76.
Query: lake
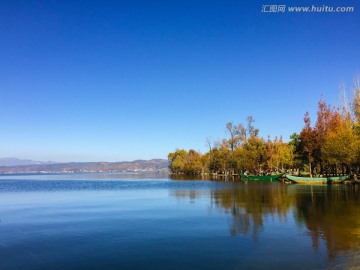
column 149, row 221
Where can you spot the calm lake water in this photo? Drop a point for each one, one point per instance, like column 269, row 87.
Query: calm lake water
column 141, row 221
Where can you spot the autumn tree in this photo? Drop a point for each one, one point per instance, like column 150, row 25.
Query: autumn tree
column 271, row 152
column 255, row 153
column 177, row 160
column 285, row 152
column 279, row 154
column 333, row 141
column 341, row 146
column 308, row 138
column 251, row 131
column 234, row 132
column 299, row 156
column 193, row 164
column 186, row 162
column 322, row 125
column 356, row 99
column 209, row 144
column 221, row 156
column 356, row 113
column 240, row 160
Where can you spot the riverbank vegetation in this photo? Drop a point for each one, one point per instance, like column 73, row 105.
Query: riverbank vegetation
column 330, row 146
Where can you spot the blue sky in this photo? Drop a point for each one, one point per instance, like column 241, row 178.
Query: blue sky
column 125, row 80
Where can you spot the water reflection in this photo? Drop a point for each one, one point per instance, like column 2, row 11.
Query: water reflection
column 102, row 176
column 225, row 178
column 250, row 203
column 88, row 223
column 328, row 213
column 331, row 213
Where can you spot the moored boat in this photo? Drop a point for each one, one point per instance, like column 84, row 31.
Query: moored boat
column 261, row 178
column 317, row 180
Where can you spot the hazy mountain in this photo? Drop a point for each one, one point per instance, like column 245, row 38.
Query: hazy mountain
column 136, row 165
column 19, row 162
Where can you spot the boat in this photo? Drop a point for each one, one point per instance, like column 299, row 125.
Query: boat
column 261, row 178
column 317, row 180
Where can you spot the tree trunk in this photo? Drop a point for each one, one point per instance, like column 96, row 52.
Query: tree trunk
column 321, row 168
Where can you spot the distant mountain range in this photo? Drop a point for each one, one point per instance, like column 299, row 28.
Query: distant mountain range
column 13, row 165
column 19, row 162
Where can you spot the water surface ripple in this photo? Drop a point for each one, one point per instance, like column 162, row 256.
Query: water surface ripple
column 142, row 221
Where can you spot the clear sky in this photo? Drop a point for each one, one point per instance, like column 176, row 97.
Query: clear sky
column 125, row 80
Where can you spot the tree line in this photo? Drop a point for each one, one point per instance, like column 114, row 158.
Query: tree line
column 330, row 146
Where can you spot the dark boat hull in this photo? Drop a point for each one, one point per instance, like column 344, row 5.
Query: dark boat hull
column 261, row 178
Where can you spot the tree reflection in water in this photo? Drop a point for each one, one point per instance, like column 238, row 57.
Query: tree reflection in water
column 330, row 213
column 250, row 203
